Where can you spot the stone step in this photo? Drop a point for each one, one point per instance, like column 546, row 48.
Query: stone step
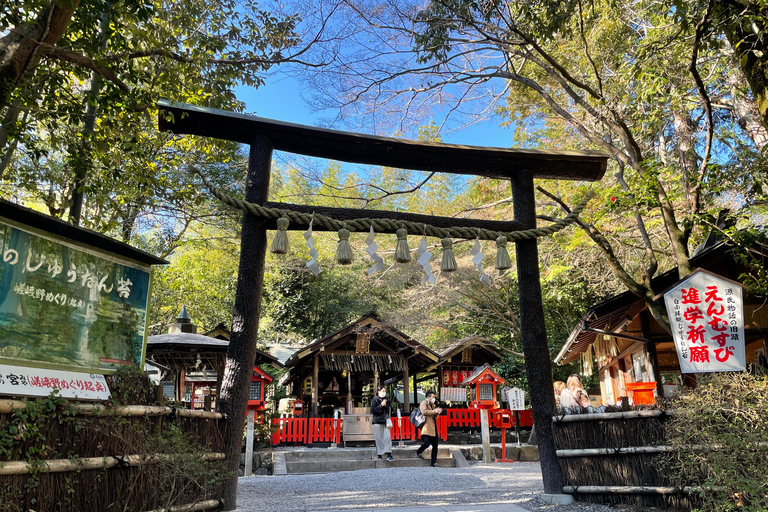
column 354, row 465
column 352, row 459
column 354, row 454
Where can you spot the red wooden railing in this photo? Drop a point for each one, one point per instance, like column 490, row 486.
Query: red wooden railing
column 289, row 430
column 320, row 430
column 328, row 430
column 402, row 430
column 463, row 417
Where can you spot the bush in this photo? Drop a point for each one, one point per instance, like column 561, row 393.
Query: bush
column 728, row 415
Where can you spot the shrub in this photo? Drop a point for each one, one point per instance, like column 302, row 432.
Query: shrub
column 721, row 435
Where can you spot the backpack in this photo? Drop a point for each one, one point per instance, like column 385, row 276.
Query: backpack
column 417, row 418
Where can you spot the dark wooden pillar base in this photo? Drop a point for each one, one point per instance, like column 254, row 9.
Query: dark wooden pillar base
column 241, row 354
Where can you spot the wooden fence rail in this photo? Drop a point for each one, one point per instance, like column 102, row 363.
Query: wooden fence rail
column 328, row 430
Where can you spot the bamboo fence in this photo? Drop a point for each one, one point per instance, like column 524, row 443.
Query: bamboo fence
column 93, row 458
column 618, row 459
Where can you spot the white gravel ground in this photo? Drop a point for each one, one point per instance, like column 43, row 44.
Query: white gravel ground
column 518, row 483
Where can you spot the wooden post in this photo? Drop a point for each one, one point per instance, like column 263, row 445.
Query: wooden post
column 538, row 363
column 249, row 444
column 350, row 402
column 315, row 375
column 406, row 391
column 415, row 392
column 235, row 386
column 207, row 403
column 485, row 433
column 650, row 348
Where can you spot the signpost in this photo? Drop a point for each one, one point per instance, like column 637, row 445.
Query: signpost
column 68, row 306
column 706, row 313
column 516, row 399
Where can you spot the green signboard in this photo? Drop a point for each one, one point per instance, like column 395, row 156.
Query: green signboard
column 68, row 306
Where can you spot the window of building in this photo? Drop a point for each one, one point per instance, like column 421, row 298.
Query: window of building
column 167, row 390
column 255, row 390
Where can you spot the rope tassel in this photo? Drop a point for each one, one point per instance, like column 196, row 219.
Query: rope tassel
column 502, row 256
column 402, row 252
column 448, row 264
column 344, row 251
column 280, row 242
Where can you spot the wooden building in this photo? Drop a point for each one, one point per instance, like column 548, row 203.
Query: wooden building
column 194, row 360
column 620, row 339
column 333, row 372
column 457, row 362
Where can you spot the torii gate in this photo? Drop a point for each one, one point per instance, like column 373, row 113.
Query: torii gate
column 520, row 166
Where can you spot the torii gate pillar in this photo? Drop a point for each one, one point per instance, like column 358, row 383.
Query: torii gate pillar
column 241, row 354
column 538, row 366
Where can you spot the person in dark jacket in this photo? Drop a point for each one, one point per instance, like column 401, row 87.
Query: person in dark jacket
column 382, row 412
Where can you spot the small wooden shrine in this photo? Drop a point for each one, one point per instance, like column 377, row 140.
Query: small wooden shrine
column 335, row 372
column 459, row 360
column 482, row 387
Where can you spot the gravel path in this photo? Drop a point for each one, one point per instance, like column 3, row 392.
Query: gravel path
column 518, row 483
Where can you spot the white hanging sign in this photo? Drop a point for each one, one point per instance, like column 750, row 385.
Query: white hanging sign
column 453, row 394
column 312, row 263
column 23, row 381
column 372, row 247
column 706, row 313
column 516, row 399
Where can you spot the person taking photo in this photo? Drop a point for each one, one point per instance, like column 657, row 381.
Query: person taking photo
column 382, row 422
column 429, row 430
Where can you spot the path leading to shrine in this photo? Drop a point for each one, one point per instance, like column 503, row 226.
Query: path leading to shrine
column 497, row 486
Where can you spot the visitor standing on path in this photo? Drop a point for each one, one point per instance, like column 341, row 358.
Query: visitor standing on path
column 382, row 422
column 429, row 430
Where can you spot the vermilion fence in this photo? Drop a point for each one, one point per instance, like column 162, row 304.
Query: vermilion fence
column 328, row 430
column 463, row 417
column 289, row 430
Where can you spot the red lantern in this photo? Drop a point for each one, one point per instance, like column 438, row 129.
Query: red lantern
column 463, row 376
column 446, row 378
column 455, row 378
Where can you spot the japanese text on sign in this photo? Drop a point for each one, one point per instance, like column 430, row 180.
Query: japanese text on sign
column 62, row 307
column 706, row 313
column 21, row 381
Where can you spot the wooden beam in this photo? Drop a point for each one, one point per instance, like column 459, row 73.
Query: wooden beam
column 500, row 163
column 406, row 394
column 342, row 214
column 315, row 387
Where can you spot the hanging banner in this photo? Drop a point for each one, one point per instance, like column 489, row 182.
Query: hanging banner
column 69, row 307
column 706, row 313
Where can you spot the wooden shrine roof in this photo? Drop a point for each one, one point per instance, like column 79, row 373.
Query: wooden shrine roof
column 182, row 350
column 490, row 348
column 615, row 311
column 500, row 163
column 417, row 355
column 479, row 372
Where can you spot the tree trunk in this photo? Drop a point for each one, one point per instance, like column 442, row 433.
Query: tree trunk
column 744, row 25
column 241, row 354
column 538, row 364
column 744, row 108
column 22, row 48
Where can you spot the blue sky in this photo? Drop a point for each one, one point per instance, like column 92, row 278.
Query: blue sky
column 281, row 99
